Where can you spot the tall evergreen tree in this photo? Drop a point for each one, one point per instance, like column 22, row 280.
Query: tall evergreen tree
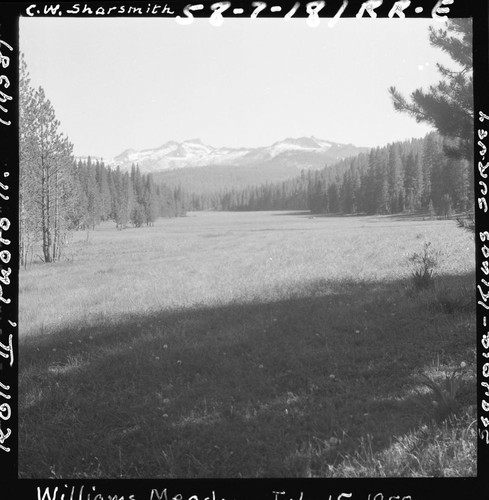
column 29, row 214
column 395, row 179
column 104, row 191
column 46, row 171
column 381, row 181
column 92, row 191
column 150, row 201
column 456, row 183
column 413, row 184
column 370, row 190
column 448, row 105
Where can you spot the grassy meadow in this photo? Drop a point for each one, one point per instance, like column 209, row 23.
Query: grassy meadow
column 264, row 344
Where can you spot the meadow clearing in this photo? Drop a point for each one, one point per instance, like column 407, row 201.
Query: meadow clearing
column 257, row 344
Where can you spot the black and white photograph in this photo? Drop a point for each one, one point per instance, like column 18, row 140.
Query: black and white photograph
column 246, row 247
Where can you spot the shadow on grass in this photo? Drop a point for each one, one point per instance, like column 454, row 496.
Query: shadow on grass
column 239, row 390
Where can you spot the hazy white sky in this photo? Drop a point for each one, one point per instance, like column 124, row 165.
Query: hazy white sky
column 138, row 83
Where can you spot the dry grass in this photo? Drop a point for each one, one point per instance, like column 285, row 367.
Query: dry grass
column 248, row 344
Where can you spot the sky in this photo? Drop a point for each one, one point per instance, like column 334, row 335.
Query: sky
column 127, row 83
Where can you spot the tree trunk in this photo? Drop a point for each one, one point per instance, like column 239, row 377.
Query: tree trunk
column 46, row 237
column 57, row 225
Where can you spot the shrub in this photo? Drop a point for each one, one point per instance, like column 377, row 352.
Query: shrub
column 467, row 223
column 442, row 401
column 423, row 276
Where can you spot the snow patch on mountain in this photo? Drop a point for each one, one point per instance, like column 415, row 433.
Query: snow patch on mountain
column 304, row 152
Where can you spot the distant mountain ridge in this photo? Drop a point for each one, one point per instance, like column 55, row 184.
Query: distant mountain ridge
column 301, row 153
column 198, row 167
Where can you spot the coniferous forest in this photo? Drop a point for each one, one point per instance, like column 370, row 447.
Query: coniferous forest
column 400, row 177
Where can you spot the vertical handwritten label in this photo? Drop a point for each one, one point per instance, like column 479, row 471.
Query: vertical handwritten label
column 483, row 286
column 7, row 241
column 6, row 337
column 4, row 82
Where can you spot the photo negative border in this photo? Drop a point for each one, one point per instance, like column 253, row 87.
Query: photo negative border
column 318, row 14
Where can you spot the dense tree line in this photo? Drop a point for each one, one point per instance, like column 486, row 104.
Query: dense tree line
column 403, row 176
column 127, row 198
column 58, row 194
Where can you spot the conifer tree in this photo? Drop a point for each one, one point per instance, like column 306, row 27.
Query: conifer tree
column 29, row 215
column 104, row 191
column 395, row 179
column 46, row 173
column 370, row 184
column 93, row 208
column 413, row 184
column 380, row 173
column 448, row 105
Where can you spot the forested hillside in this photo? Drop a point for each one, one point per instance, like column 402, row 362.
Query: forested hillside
column 403, row 176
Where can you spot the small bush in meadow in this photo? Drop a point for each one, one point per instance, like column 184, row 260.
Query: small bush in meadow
column 467, row 223
column 441, row 402
column 423, row 276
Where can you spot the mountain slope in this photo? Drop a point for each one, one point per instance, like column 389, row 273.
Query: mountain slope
column 200, row 168
column 304, row 152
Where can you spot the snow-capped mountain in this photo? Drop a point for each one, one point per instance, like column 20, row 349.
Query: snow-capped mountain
column 302, row 153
